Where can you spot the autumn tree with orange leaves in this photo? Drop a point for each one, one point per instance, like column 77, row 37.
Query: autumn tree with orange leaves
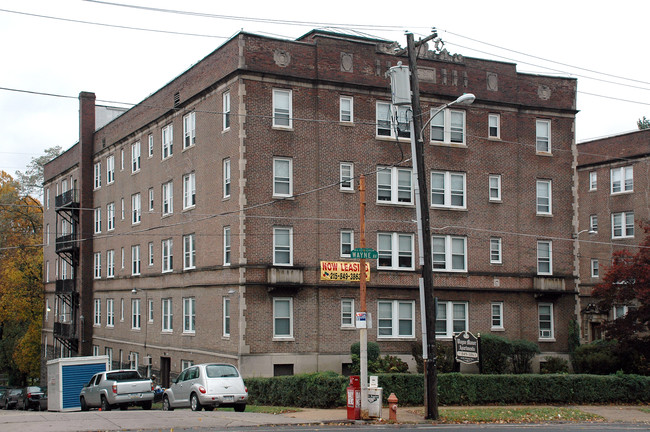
column 627, row 283
column 21, row 287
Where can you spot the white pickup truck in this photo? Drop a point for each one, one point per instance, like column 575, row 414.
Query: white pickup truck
column 115, row 388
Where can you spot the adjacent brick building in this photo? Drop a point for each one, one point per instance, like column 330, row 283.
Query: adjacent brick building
column 202, row 214
column 612, row 201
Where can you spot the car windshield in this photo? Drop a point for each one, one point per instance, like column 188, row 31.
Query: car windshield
column 15, row 392
column 33, row 389
column 221, row 371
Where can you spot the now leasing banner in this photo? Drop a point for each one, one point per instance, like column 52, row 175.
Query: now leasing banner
column 342, row 271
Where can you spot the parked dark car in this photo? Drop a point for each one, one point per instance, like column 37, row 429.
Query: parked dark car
column 30, row 397
column 43, row 401
column 3, row 390
column 10, row 399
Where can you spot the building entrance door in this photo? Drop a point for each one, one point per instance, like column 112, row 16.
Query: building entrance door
column 165, row 370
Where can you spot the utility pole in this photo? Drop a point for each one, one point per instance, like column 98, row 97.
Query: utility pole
column 426, row 264
column 363, row 331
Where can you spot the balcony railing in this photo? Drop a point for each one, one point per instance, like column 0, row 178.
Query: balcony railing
column 64, row 331
column 65, row 286
column 68, row 199
column 66, row 243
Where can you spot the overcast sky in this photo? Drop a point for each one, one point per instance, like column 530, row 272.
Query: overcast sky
column 601, row 43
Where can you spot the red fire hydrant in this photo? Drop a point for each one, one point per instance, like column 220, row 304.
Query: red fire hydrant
column 392, row 407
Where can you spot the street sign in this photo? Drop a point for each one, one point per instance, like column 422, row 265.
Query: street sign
column 466, row 346
column 364, row 253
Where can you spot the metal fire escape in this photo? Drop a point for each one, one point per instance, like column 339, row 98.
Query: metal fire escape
column 67, row 248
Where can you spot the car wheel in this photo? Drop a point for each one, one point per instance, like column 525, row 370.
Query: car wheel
column 84, row 405
column 240, row 407
column 105, row 405
column 146, row 405
column 194, row 403
column 166, row 405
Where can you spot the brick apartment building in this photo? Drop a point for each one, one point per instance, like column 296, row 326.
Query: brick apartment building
column 612, row 201
column 191, row 228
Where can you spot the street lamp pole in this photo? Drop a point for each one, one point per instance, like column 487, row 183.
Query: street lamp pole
column 427, row 297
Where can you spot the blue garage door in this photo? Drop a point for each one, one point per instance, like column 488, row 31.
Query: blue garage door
column 73, row 378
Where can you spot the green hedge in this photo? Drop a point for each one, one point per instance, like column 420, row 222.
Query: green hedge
column 327, row 390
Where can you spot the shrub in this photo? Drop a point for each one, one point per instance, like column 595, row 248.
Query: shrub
column 599, row 357
column 444, row 357
column 373, row 350
column 521, row 354
column 553, row 365
column 495, row 352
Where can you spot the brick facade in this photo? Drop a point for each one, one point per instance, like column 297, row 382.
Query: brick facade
column 318, row 69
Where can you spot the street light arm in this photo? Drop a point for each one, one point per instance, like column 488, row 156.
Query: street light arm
column 464, row 99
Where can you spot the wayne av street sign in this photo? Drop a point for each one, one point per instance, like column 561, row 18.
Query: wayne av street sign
column 364, row 253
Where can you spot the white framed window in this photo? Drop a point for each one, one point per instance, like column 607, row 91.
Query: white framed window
column 151, row 198
column 226, row 246
column 110, row 169
column 448, row 189
column 47, row 198
column 593, row 223
column 167, row 315
column 451, row 318
column 122, row 257
column 544, row 257
column 189, row 315
column 496, row 316
column 226, row 110
column 167, row 255
column 495, row 251
column 136, row 314
column 347, row 243
column 150, row 310
column 621, row 180
column 150, row 253
column 110, row 263
column 150, row 144
column 167, row 141
column 98, row 175
column 622, row 225
column 449, row 253
column 134, row 359
column 283, row 317
column 346, row 109
column 390, row 126
column 98, row 221
column 168, row 198
column 135, row 157
column 189, row 251
column 394, row 185
column 136, row 209
column 619, row 311
column 595, row 268
column 97, row 321
column 448, row 127
column 121, row 309
column 347, row 313
column 494, row 185
column 47, row 234
column 543, row 136
column 545, row 321
column 47, row 272
column 396, row 251
column 346, row 176
column 189, row 130
column 282, row 109
column 110, row 312
column 98, row 265
column 110, row 216
column 121, row 159
column 189, row 190
column 544, row 198
column 226, row 178
column 122, row 209
column 282, row 177
column 226, row 317
column 283, row 246
column 95, row 350
column 395, row 319
column 593, row 180
column 494, row 126
column 135, row 260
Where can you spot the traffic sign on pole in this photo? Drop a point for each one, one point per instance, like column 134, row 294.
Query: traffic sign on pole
column 364, row 253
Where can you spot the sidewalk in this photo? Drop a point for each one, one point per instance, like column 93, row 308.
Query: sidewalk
column 610, row 414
